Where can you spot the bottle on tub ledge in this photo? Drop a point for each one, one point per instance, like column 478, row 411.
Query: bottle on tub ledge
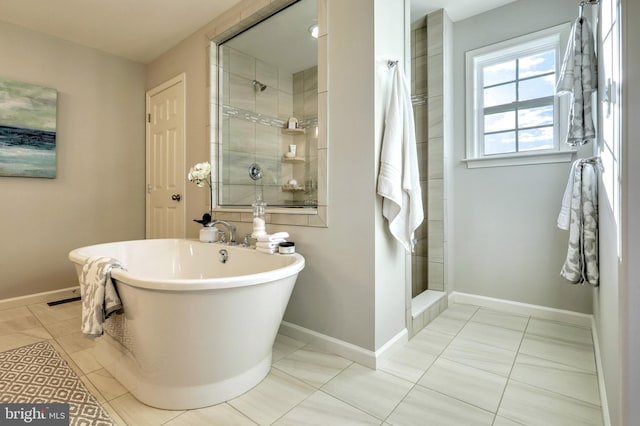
column 259, row 207
column 268, row 243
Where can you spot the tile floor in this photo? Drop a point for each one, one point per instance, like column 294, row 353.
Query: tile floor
column 470, row 366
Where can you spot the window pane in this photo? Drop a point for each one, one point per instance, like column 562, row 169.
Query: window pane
column 535, row 139
column 541, row 63
column 537, row 87
column 500, row 95
column 500, row 122
column 499, row 73
column 499, row 143
column 532, row 117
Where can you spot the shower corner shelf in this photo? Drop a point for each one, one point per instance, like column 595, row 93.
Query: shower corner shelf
column 292, row 159
column 292, row 188
column 296, row 131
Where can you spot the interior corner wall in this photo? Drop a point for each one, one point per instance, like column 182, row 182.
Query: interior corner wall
column 504, row 242
column 98, row 193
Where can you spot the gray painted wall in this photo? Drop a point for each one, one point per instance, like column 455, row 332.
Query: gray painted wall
column 504, row 241
column 98, row 193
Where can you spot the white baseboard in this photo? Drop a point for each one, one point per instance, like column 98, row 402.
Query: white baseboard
column 575, row 318
column 599, row 368
column 347, row 350
column 47, row 296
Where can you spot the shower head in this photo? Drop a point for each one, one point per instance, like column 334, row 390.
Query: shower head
column 259, row 86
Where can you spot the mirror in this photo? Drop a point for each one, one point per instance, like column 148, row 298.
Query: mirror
column 268, row 112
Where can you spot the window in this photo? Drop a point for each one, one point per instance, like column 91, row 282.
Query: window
column 512, row 111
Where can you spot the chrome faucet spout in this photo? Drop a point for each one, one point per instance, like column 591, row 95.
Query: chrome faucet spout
column 230, row 228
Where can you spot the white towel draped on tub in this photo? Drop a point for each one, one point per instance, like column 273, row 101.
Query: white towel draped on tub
column 579, row 78
column 99, row 295
column 399, row 178
column 581, row 264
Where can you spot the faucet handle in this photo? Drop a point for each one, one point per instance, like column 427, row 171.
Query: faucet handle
column 245, row 240
column 223, row 237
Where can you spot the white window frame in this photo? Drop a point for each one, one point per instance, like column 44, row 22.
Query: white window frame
column 551, row 38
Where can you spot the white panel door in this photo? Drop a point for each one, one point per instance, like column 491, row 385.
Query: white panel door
column 166, row 175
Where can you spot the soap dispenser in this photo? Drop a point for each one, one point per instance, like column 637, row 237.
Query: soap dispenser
column 258, row 217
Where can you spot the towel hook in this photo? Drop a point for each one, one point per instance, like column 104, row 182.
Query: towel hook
column 584, row 3
column 392, row 64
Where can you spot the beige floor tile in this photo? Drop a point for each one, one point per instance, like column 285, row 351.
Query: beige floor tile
column 560, row 331
column 321, row 409
column 474, row 354
column 52, row 314
column 221, row 414
column 86, row 360
column 429, row 408
column 374, row 392
column 135, row 413
column 460, row 311
column 446, row 325
column 18, row 319
column 114, row 415
column 500, row 319
column 468, row 384
column 64, row 328
column 272, row 398
column 430, row 341
column 492, row 335
column 109, row 387
column 23, row 338
column 571, row 354
column 501, row 421
column 534, row 406
column 560, row 378
column 75, row 342
column 408, row 362
column 284, row 346
column 311, row 366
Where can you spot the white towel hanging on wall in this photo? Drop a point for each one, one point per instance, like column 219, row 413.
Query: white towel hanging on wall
column 399, row 177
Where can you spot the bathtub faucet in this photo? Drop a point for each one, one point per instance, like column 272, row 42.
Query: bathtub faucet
column 230, row 228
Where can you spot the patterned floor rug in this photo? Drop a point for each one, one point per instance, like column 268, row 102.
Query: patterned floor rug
column 36, row 374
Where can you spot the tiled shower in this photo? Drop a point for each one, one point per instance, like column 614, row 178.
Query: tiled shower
column 255, row 122
column 427, row 63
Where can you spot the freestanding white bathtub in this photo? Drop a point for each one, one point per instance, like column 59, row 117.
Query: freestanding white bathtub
column 195, row 331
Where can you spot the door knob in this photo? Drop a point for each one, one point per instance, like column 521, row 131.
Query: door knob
column 176, row 197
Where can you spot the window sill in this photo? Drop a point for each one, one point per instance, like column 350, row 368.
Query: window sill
column 519, row 159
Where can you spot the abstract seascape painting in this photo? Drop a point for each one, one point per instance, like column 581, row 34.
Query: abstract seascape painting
column 27, row 130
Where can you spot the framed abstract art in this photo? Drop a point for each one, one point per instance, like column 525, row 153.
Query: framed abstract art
column 27, row 130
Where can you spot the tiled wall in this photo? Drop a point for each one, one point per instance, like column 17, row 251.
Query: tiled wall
column 427, row 90
column 253, row 121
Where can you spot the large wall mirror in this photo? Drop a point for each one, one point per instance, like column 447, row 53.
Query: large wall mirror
column 267, row 114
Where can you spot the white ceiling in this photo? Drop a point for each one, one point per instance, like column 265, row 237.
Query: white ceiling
column 141, row 30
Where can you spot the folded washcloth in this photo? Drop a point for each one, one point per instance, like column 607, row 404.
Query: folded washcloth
column 267, row 250
column 269, row 245
column 99, row 295
column 273, row 237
